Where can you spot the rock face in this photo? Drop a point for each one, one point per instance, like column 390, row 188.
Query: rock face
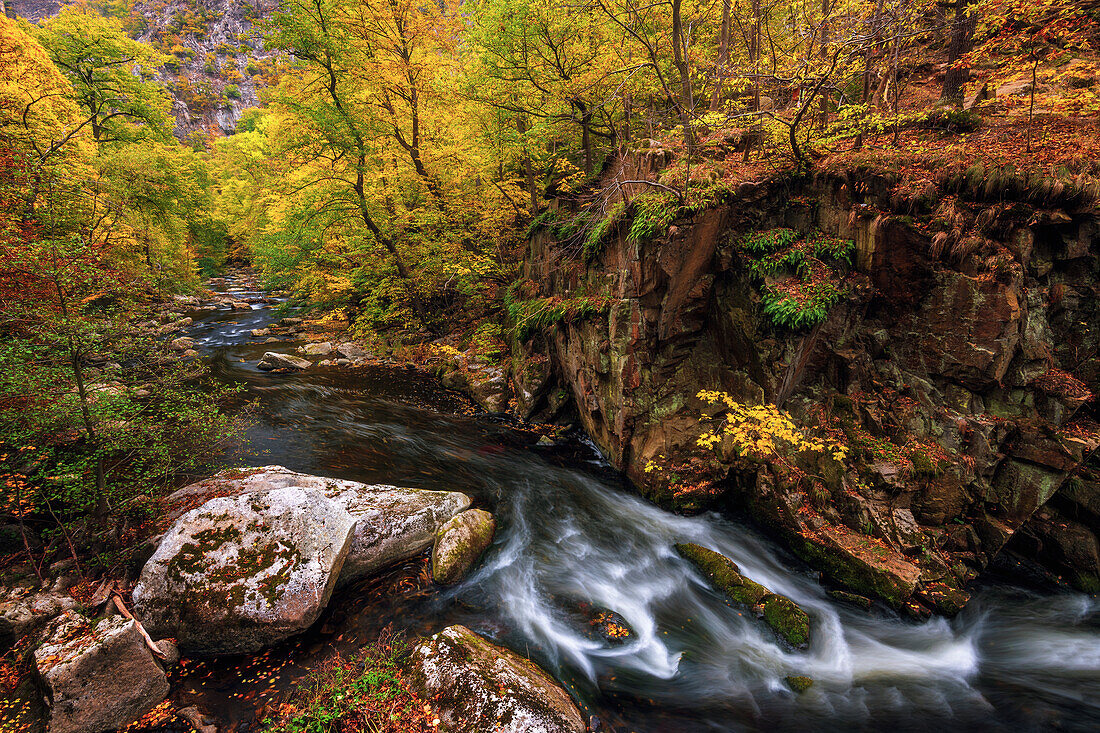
column 392, row 523
column 100, row 677
column 952, row 369
column 272, row 360
column 459, row 544
column 478, row 686
column 245, row 571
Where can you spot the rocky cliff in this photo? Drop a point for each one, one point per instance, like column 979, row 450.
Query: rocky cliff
column 216, row 60
column 955, row 367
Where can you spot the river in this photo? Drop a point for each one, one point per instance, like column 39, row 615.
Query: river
column 569, row 531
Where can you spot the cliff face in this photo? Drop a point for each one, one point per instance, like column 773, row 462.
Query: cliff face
column 958, row 372
column 217, row 63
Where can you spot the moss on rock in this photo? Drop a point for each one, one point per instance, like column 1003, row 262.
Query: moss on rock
column 787, row 619
column 781, row 613
column 799, row 683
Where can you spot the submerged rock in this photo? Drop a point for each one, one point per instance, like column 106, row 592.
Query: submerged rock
column 245, row 571
column 459, row 543
column 781, row 613
column 100, row 677
column 475, row 685
column 272, row 360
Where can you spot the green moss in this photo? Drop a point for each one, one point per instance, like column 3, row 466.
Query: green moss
column 799, row 683
column 787, row 619
column 723, row 574
column 852, row 598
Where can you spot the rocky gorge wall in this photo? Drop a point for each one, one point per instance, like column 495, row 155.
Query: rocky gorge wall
column 957, row 370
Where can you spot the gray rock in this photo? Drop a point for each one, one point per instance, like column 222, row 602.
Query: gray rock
column 241, row 572
column 100, row 677
column 272, row 360
column 353, row 351
column 322, row 349
column 240, row 305
column 475, row 685
column 23, row 613
column 459, row 544
column 258, row 332
column 183, row 343
column 393, row 524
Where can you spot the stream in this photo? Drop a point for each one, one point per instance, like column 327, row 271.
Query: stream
column 570, row 531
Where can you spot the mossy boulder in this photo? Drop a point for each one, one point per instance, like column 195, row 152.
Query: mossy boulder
column 241, row 572
column 393, row 523
column 785, row 616
column 853, row 599
column 459, row 544
column 475, row 685
column 799, row 683
column 723, row 574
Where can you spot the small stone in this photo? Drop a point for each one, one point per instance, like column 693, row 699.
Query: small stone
column 258, row 332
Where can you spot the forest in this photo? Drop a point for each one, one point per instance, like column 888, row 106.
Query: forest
column 461, row 186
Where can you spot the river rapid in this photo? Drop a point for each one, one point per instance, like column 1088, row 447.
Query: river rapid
column 570, row 532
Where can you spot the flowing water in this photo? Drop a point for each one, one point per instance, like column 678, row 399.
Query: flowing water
column 570, row 533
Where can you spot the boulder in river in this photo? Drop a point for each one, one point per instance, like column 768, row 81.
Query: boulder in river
column 459, row 544
column 272, row 360
column 393, row 523
column 323, row 348
column 785, row 616
column 100, row 677
column 475, row 685
column 244, row 571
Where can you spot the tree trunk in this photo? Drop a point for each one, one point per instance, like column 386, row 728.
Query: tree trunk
column 754, row 53
column 679, row 56
column 723, row 54
column 528, row 169
column 586, row 133
column 824, row 56
column 954, row 81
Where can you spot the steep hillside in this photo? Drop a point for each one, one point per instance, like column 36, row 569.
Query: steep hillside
column 216, row 61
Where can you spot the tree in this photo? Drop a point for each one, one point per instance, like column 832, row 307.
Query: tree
column 112, row 75
column 962, row 30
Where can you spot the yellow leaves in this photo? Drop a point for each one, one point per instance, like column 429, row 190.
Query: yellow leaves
column 762, row 431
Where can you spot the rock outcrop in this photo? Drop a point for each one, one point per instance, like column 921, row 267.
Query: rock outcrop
column 99, row 677
column 459, row 543
column 953, row 367
column 475, row 685
column 241, row 572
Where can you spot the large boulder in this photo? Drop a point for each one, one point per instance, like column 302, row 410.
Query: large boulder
column 244, row 571
column 460, row 543
column 393, row 523
column 99, row 677
column 272, row 360
column 475, row 685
